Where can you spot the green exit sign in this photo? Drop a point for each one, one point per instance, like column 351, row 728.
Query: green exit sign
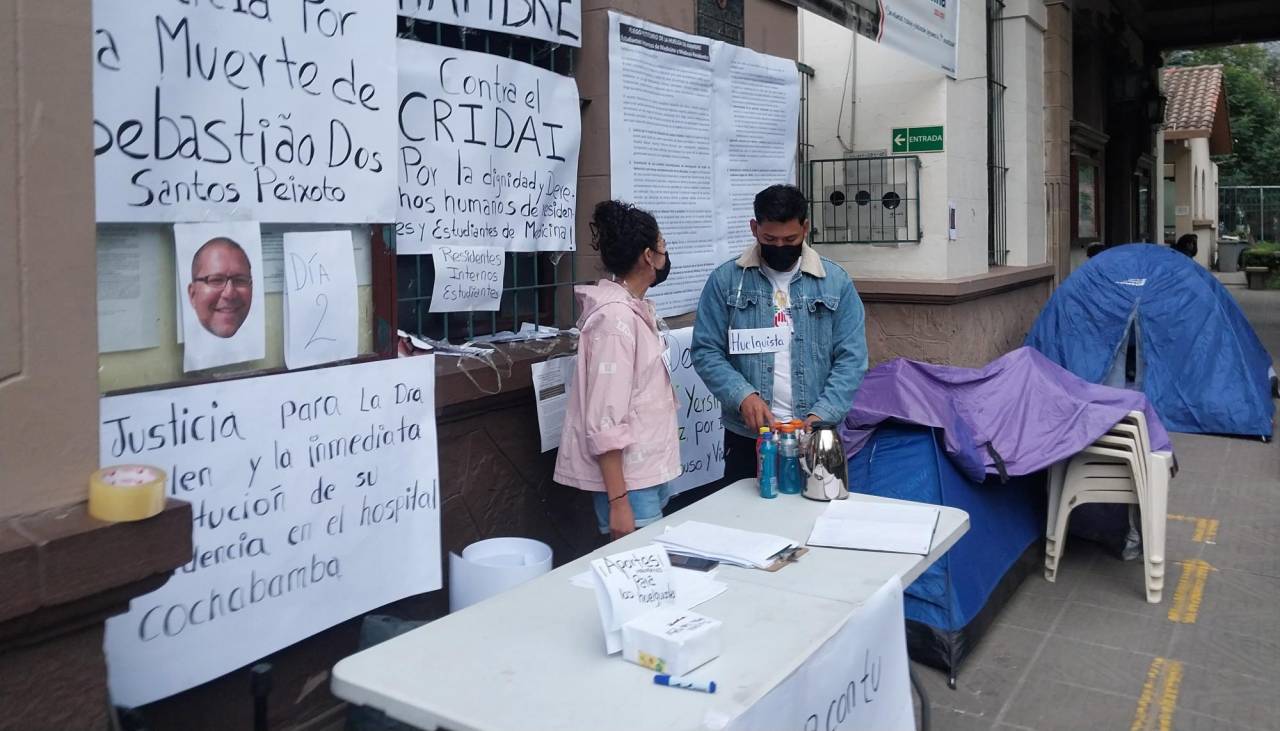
column 917, row 139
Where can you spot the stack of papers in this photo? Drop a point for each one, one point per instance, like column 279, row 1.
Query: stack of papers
column 873, row 526
column 727, row 545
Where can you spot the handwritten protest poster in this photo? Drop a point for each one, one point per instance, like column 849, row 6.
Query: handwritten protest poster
column 558, row 21
column 220, row 293
column 468, row 278
column 314, row 498
column 320, row 308
column 698, row 424
column 271, row 111
column 858, row 679
column 697, row 417
column 488, row 152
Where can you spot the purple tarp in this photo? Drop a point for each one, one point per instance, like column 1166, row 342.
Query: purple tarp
column 1018, row 414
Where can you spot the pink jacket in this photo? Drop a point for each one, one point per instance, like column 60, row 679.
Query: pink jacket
column 621, row 396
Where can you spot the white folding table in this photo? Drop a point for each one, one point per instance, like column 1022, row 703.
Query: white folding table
column 533, row 657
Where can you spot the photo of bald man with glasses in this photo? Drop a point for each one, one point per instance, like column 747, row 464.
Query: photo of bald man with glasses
column 221, row 288
column 224, row 310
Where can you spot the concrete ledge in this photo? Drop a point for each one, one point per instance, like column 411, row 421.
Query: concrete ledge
column 952, row 291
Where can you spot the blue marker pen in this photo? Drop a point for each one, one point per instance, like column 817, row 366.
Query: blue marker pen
column 675, row 681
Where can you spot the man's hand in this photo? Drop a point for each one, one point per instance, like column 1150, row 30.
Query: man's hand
column 621, row 519
column 756, row 413
column 810, row 420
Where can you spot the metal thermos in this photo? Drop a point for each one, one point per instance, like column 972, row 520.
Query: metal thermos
column 825, row 467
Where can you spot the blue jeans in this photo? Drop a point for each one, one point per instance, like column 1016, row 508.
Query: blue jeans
column 646, row 504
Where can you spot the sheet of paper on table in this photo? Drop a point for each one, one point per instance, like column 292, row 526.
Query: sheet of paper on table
column 868, row 526
column 727, row 545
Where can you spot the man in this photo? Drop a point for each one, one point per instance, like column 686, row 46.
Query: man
column 1188, row 244
column 221, row 288
column 783, row 284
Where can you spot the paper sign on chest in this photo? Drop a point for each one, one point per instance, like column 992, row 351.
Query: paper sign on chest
column 759, row 340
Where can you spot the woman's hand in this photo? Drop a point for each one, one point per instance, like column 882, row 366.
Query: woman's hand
column 621, row 519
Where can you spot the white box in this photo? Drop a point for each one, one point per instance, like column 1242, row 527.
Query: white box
column 671, row 640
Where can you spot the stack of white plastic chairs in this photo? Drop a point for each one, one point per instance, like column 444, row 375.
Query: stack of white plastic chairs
column 1117, row 468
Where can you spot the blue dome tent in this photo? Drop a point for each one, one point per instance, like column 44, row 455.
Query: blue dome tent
column 1149, row 318
column 950, row 607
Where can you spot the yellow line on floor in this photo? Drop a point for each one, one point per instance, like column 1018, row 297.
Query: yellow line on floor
column 1141, row 717
column 1189, row 593
column 1212, row 535
column 1159, row 697
column 1169, row 693
column 1202, row 527
column 1206, row 530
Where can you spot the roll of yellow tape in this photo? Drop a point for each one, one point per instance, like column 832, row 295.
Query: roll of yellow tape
column 126, row 492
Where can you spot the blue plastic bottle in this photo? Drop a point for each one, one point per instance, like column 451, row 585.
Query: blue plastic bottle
column 768, row 466
column 788, row 461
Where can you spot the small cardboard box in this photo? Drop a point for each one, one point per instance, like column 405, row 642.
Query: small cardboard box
column 670, row 640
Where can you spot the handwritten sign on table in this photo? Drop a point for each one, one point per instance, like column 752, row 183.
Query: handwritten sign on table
column 857, row 679
column 468, row 278
column 314, row 498
column 488, row 152
column 279, row 112
column 320, row 308
column 628, row 584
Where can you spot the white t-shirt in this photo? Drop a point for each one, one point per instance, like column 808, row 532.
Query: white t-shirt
column 782, row 405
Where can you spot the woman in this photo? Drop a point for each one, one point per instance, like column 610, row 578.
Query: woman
column 619, row 439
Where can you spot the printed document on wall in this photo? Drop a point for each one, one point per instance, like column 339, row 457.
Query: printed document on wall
column 661, row 146
column 488, row 152
column 698, row 127
column 128, row 301
column 250, row 110
column 305, row 488
column 757, row 144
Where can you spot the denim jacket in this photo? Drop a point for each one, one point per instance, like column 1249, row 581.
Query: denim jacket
column 828, row 347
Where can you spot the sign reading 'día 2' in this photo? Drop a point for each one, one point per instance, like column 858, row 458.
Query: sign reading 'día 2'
column 917, row 139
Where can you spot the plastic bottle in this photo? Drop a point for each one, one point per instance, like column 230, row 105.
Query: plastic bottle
column 767, row 464
column 788, row 461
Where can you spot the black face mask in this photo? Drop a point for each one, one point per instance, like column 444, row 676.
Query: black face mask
column 660, row 275
column 780, row 258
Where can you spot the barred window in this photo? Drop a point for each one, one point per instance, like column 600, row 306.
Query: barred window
column 537, row 286
column 997, row 167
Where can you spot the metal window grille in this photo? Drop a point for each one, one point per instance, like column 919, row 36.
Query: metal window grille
column 537, row 287
column 997, row 167
column 805, row 148
column 865, row 200
column 721, row 20
column 1246, row 210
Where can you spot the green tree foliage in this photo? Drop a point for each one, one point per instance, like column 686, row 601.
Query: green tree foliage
column 1253, row 99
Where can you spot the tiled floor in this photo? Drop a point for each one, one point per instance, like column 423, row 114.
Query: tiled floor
column 1089, row 653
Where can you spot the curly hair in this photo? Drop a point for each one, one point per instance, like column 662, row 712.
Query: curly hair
column 621, row 232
